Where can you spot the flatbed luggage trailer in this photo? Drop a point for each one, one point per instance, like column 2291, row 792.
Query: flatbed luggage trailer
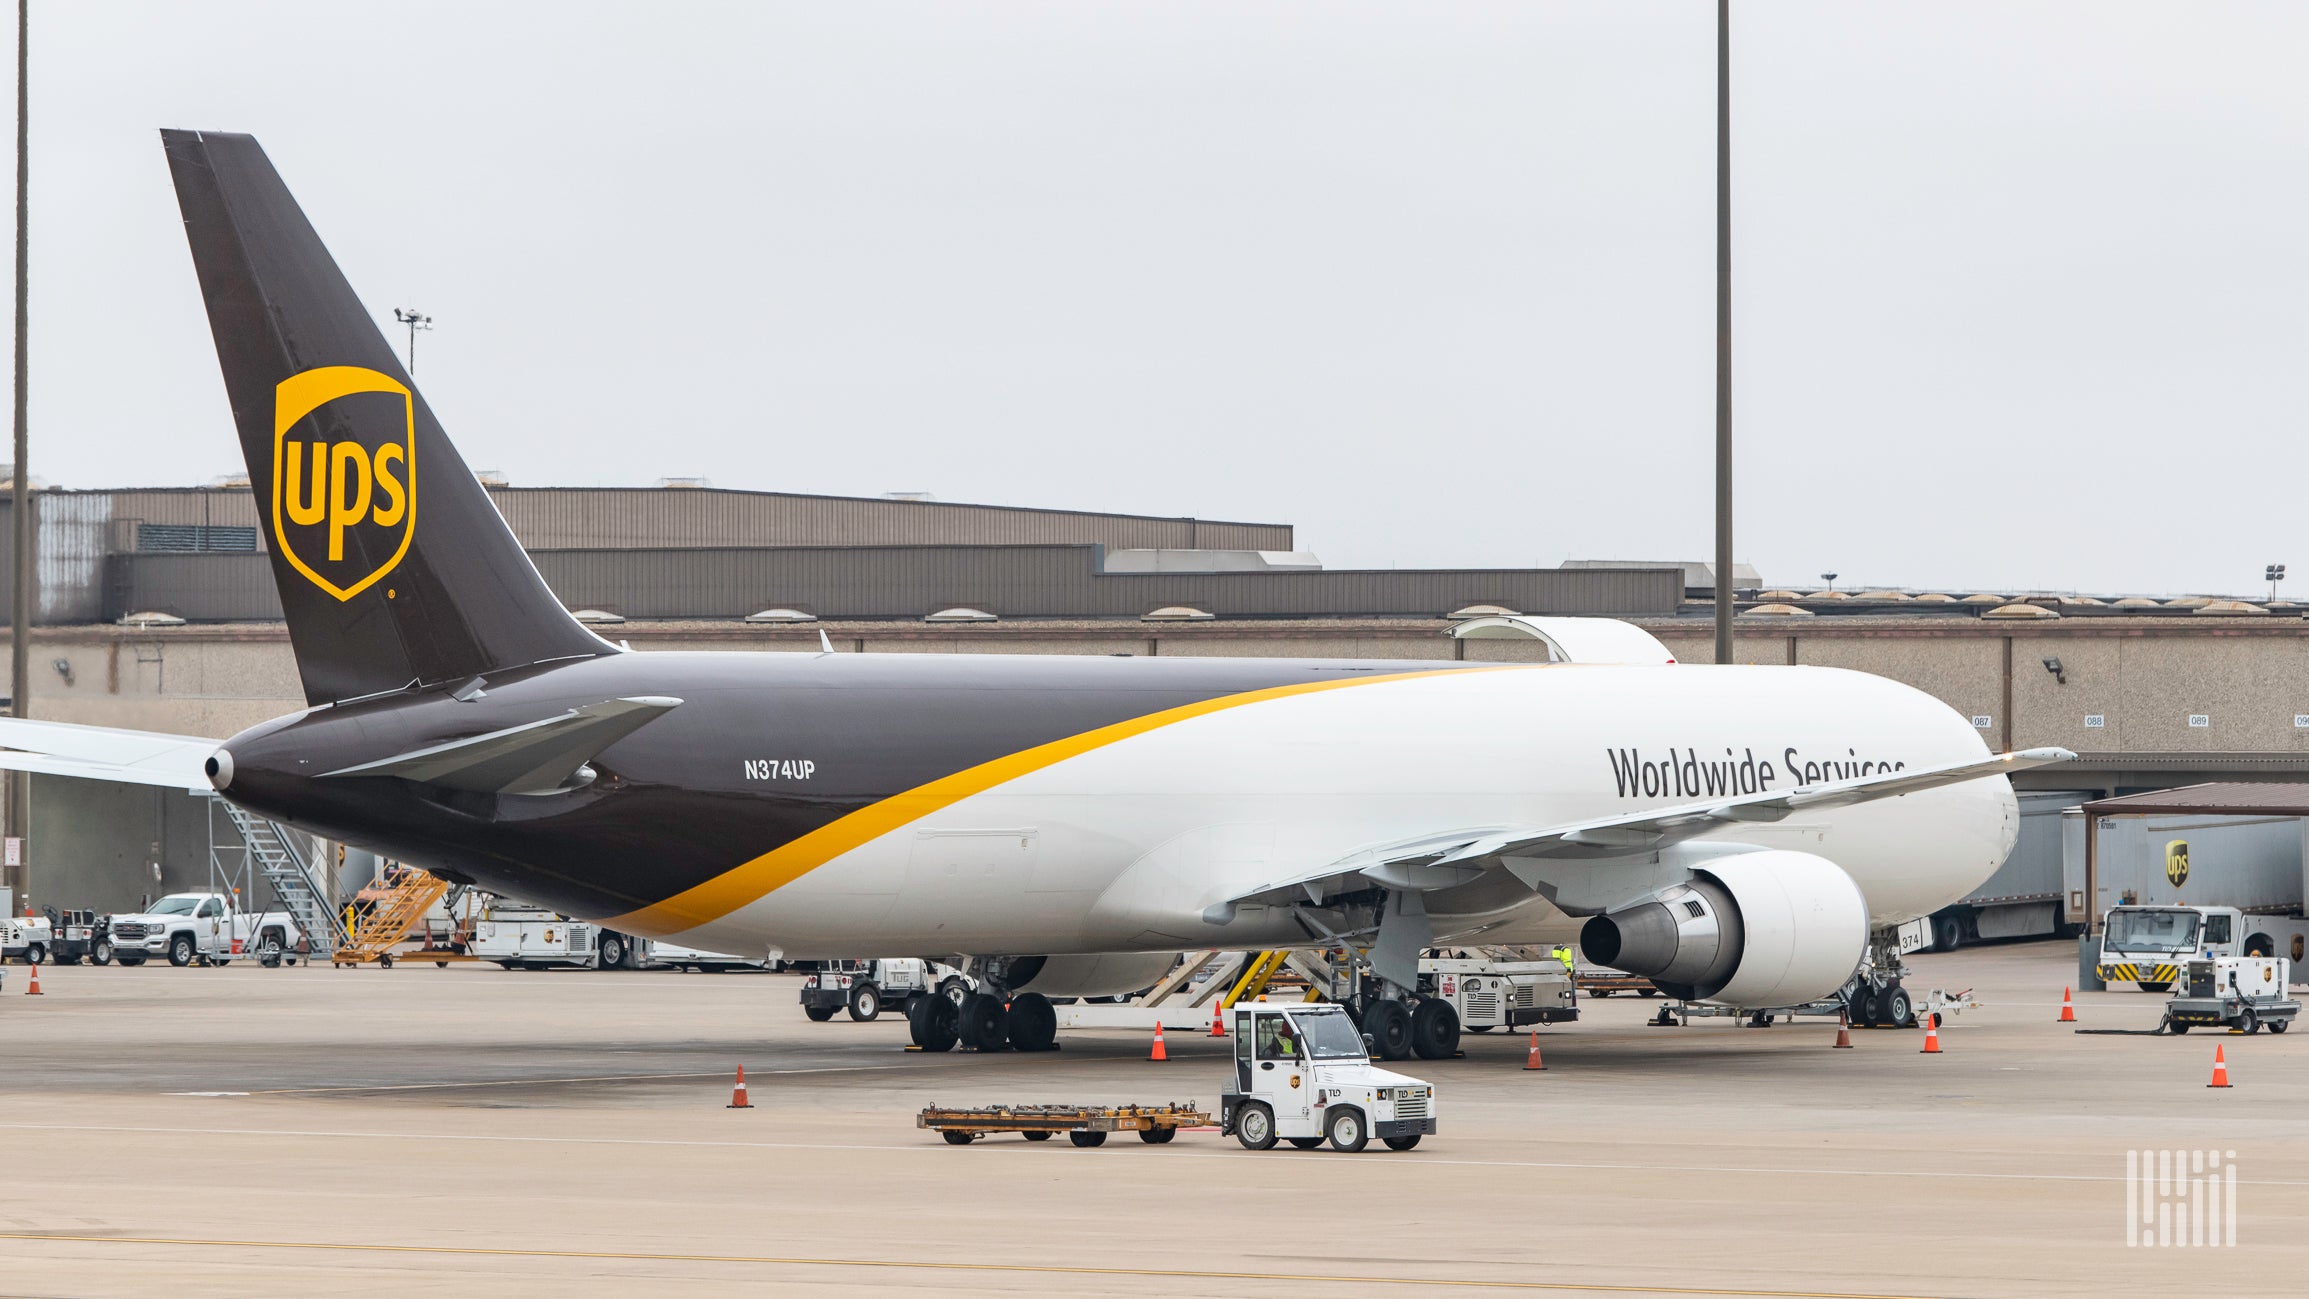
column 1084, row 1125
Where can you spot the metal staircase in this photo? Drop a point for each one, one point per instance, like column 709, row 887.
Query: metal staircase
column 297, row 885
column 409, row 893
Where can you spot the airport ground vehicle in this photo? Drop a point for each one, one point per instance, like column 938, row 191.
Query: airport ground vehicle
column 203, row 927
column 522, row 937
column 25, row 938
column 1488, row 994
column 2148, row 946
column 80, row 935
column 865, row 987
column 1303, row 1074
column 2245, row 993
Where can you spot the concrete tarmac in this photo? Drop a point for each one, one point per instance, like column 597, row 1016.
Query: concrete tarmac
column 354, row 1132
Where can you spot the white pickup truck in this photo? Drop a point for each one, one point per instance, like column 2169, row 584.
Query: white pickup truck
column 188, row 927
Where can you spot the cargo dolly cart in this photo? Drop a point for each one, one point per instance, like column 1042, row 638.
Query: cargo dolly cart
column 1084, row 1125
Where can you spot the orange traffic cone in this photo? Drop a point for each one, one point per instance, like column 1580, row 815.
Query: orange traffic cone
column 1160, row 1054
column 2220, row 1068
column 1531, row 1059
column 2067, row 1008
column 738, row 1099
column 1931, row 1035
column 1218, row 1019
column 1843, row 1032
column 34, row 990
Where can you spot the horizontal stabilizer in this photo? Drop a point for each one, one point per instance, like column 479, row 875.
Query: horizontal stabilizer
column 103, row 753
column 533, row 758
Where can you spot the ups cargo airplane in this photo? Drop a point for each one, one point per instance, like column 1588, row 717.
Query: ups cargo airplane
column 1068, row 825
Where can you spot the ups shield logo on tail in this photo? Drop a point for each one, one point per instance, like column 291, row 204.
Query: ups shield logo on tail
column 345, row 502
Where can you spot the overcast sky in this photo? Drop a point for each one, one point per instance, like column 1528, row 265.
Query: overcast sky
column 2020, row 287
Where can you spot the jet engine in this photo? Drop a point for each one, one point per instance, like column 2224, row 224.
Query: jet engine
column 1752, row 929
column 1102, row 974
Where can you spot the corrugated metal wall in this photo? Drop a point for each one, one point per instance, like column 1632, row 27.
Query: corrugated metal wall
column 911, row 581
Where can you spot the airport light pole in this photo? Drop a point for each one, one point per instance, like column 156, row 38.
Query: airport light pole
column 19, row 493
column 1724, row 598
column 415, row 321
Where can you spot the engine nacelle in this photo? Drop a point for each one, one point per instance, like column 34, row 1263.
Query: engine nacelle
column 1102, row 974
column 1753, row 929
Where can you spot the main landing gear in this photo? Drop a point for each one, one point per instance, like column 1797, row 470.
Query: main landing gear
column 984, row 1021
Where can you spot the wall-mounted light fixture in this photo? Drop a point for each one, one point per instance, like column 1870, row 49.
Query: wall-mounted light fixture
column 2059, row 673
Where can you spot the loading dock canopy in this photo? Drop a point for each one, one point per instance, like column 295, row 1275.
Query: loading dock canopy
column 2218, row 798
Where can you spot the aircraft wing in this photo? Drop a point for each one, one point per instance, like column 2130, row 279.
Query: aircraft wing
column 104, row 753
column 1460, row 857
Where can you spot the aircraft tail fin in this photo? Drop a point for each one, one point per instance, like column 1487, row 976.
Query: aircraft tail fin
column 394, row 567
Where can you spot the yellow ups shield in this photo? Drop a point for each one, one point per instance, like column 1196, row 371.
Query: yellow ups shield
column 2177, row 862
column 350, row 495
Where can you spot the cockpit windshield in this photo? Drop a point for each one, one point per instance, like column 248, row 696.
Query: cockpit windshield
column 1328, row 1034
column 2151, row 929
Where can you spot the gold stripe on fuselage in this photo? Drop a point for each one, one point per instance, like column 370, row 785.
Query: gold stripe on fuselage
column 756, row 879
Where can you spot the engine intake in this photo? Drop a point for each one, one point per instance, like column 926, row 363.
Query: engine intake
column 1753, row 929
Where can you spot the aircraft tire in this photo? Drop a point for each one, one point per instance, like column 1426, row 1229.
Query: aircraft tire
column 1389, row 1025
column 985, row 1023
column 1032, row 1024
column 932, row 1022
column 1435, row 1030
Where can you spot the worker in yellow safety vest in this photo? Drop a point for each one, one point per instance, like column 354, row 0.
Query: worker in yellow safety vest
column 1563, row 954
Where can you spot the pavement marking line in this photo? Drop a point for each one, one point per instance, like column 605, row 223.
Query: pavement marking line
column 537, row 1082
column 1023, row 1149
column 1046, row 1269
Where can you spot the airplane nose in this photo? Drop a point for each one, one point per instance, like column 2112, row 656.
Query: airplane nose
column 220, row 769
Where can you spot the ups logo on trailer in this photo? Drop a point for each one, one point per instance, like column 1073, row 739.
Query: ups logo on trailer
column 2177, row 862
column 345, row 503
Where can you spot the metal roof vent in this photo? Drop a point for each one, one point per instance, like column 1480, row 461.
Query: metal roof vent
column 1483, row 611
column 2137, row 602
column 151, row 618
column 1780, row 596
column 2229, row 609
column 961, row 613
column 781, row 614
column 2084, row 601
column 596, row 616
column 1890, row 597
column 686, row 483
column 1982, row 597
column 2188, row 602
column 1935, row 597
column 1777, row 611
column 1177, row 613
column 2017, row 611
